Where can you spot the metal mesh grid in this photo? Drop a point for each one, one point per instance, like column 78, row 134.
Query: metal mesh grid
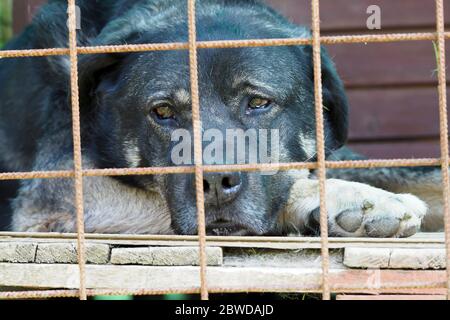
column 321, row 165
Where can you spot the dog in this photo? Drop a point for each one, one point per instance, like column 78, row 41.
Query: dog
column 132, row 103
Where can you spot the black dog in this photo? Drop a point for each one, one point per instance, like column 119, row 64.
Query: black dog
column 131, row 105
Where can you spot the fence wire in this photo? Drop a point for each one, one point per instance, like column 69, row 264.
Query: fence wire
column 73, row 51
column 443, row 128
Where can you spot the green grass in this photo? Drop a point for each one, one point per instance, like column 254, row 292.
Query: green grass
column 437, row 57
column 5, row 21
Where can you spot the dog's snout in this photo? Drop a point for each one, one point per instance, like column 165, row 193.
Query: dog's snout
column 221, row 188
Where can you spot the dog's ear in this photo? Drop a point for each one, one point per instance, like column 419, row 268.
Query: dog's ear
column 92, row 70
column 335, row 104
column 94, row 19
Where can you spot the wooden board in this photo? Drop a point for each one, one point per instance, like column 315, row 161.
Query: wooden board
column 395, row 258
column 421, row 240
column 350, row 15
column 242, row 270
column 385, row 64
column 409, row 149
column 243, row 279
column 23, row 11
column 393, row 113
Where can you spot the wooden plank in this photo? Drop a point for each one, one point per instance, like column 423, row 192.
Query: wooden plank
column 270, row 258
column 351, row 14
column 23, row 12
column 417, row 259
column 20, row 252
column 393, row 113
column 425, row 240
column 165, row 256
column 391, row 297
column 395, row 258
column 259, row 245
column 60, row 252
column 396, row 150
column 376, row 64
column 247, row 279
column 158, row 278
column 390, row 281
column 435, row 237
column 367, row 258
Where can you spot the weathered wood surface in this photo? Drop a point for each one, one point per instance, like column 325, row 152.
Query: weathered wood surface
column 236, row 268
column 165, row 256
column 96, row 253
column 102, row 253
column 363, row 258
column 421, row 240
column 20, row 252
column 395, row 258
column 243, row 279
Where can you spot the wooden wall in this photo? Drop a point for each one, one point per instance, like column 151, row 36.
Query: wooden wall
column 391, row 87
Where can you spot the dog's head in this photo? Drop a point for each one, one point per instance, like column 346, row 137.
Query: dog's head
column 140, row 108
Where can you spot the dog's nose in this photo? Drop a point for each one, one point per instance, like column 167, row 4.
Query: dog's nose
column 221, row 188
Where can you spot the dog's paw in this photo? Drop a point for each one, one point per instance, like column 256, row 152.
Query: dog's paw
column 378, row 215
column 357, row 210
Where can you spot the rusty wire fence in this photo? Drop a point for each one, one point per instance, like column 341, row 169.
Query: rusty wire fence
column 199, row 169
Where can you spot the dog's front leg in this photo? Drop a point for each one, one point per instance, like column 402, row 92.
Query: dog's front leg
column 354, row 210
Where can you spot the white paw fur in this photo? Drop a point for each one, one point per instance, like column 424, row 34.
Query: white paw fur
column 355, row 209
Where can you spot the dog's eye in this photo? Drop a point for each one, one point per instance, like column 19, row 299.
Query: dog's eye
column 258, row 104
column 163, row 112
